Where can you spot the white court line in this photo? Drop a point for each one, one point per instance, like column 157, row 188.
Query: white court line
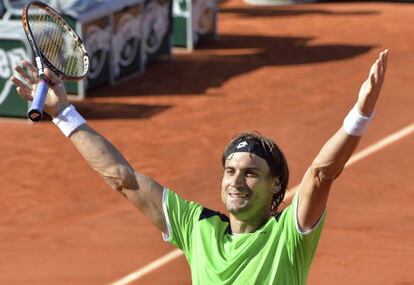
column 148, row 268
column 355, row 158
column 380, row 144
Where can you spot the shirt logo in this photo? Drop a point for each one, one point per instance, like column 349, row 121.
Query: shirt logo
column 242, row 144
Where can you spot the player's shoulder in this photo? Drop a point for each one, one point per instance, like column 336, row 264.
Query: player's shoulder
column 284, row 216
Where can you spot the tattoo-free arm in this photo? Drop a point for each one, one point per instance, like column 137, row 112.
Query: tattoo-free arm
column 329, row 163
column 102, row 156
column 142, row 191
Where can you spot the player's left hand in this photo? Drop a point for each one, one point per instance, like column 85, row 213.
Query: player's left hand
column 56, row 99
column 371, row 88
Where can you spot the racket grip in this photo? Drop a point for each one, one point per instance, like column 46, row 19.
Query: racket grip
column 36, row 109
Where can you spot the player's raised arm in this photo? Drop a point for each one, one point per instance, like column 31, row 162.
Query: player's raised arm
column 101, row 155
column 329, row 163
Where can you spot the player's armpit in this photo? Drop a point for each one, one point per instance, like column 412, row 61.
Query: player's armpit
column 313, row 194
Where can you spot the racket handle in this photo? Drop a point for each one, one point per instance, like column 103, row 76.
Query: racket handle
column 36, row 109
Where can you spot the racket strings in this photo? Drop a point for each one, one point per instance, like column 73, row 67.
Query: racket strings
column 56, row 43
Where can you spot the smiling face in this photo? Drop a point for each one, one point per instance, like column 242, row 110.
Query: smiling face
column 247, row 186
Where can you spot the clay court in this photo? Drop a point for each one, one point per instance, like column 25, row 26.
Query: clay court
column 290, row 72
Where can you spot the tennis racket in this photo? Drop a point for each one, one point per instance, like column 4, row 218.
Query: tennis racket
column 56, row 46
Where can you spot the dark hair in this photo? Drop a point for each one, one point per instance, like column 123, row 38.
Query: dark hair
column 272, row 154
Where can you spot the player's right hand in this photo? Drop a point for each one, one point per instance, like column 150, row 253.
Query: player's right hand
column 56, row 99
column 371, row 88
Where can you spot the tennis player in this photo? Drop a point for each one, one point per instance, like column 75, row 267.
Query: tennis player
column 253, row 244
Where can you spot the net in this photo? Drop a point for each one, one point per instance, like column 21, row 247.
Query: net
column 55, row 42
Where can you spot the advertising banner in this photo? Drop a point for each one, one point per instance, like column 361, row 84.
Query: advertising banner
column 157, row 29
column 194, row 21
column 127, row 43
column 13, row 50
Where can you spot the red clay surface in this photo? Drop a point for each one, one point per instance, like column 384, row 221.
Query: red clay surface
column 290, row 72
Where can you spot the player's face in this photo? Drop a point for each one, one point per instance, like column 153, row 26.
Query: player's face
column 246, row 188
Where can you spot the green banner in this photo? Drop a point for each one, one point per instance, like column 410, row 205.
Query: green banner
column 181, row 22
column 194, row 21
column 12, row 52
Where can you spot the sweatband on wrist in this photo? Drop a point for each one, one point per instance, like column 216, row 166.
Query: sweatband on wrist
column 356, row 124
column 69, row 120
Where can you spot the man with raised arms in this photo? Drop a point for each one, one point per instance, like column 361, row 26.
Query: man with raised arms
column 254, row 243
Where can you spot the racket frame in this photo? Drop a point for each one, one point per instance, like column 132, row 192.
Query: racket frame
column 35, row 113
column 38, row 53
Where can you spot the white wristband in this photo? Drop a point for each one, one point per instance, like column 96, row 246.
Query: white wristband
column 356, row 124
column 69, row 120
